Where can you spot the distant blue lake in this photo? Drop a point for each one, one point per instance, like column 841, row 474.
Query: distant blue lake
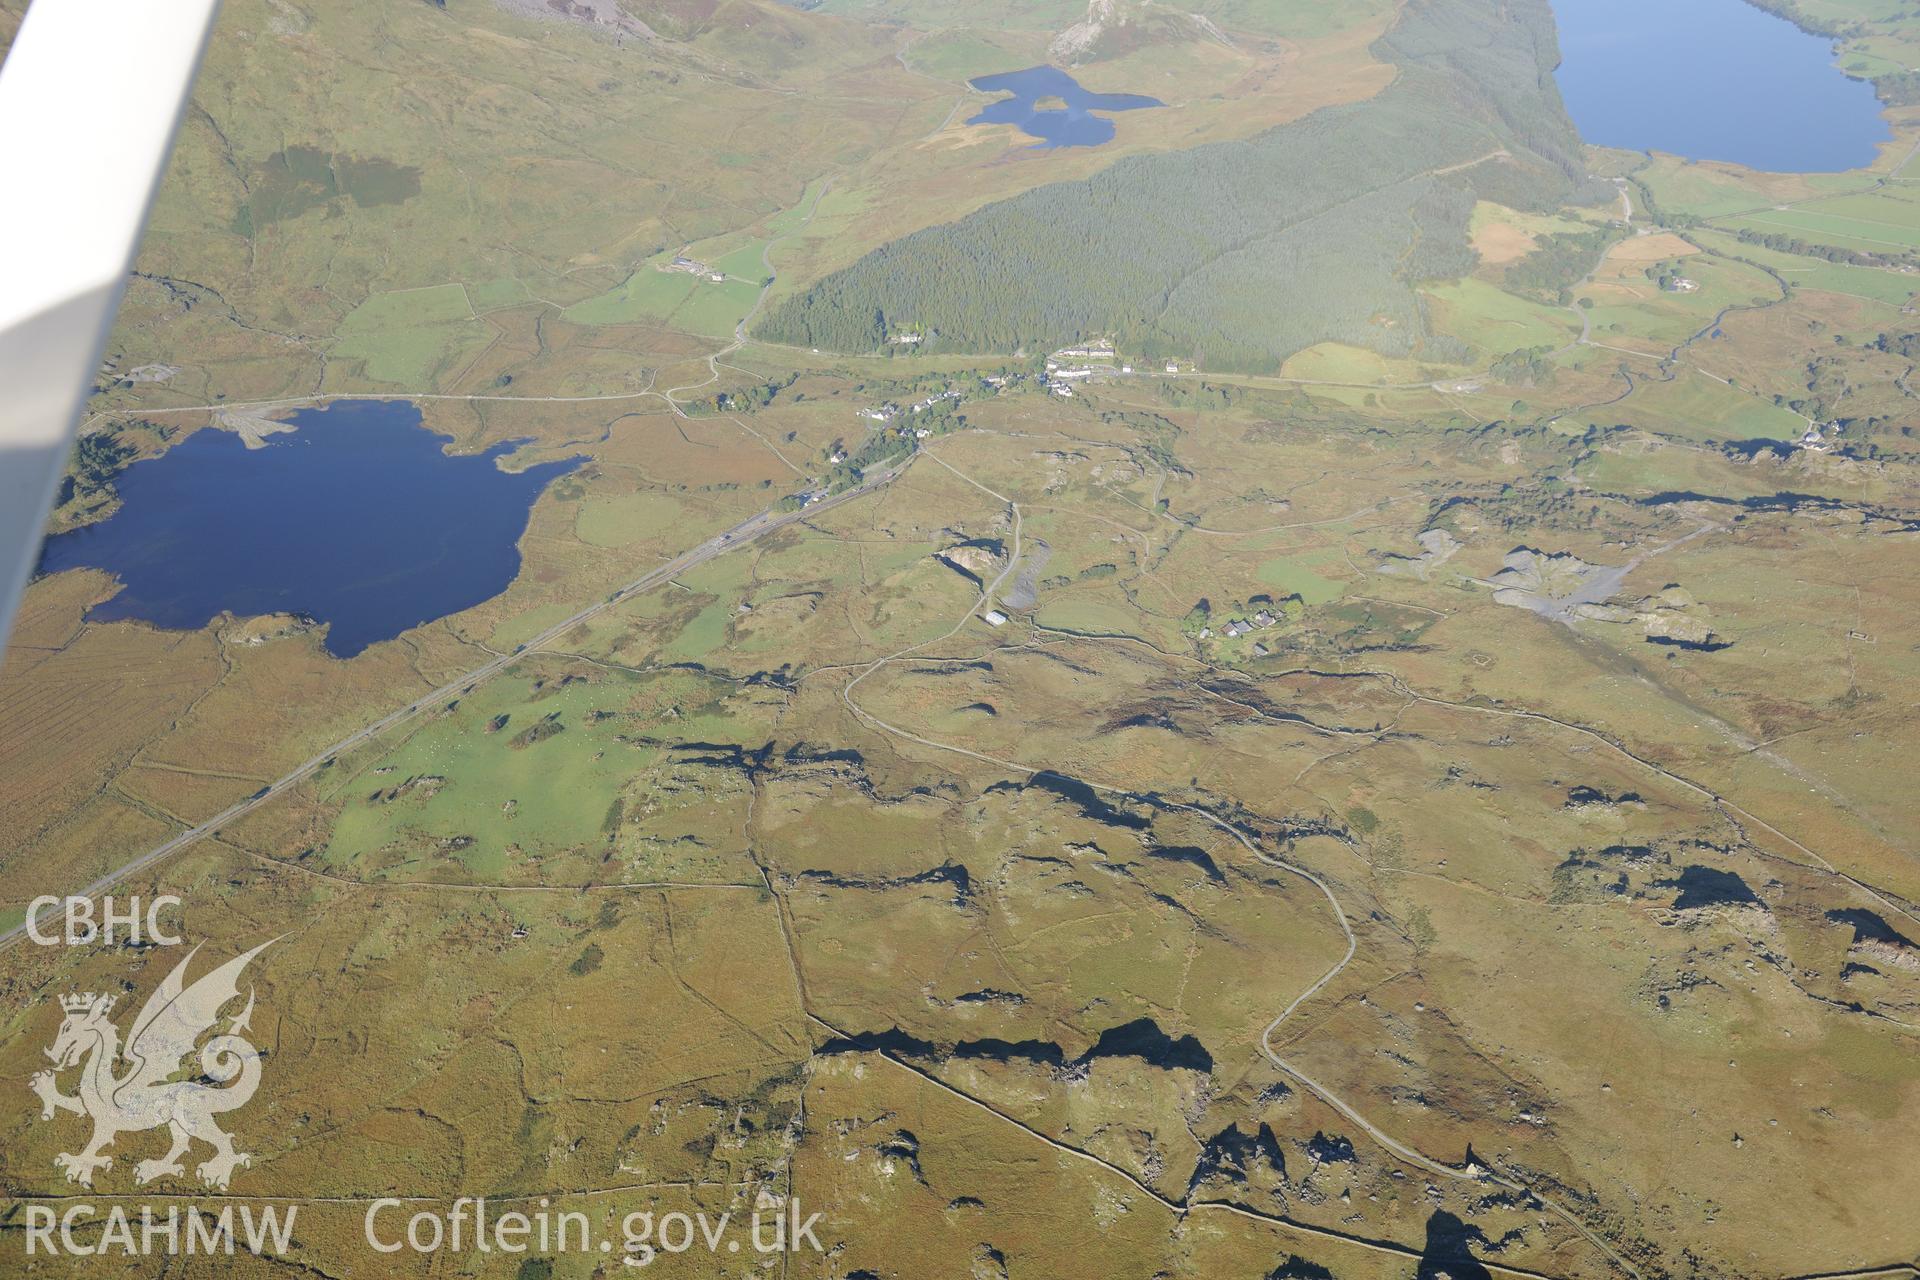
column 1713, row 80
column 1075, row 125
column 357, row 519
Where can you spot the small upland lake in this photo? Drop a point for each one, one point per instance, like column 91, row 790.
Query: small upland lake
column 1713, row 80
column 357, row 518
column 1072, row 124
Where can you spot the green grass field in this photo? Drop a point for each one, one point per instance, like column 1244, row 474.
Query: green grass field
column 1637, row 312
column 1697, row 407
column 1090, row 616
column 744, row 263
column 622, row 521
column 648, row 294
column 1879, row 284
column 1295, row 575
column 1339, row 362
column 1494, row 321
column 410, row 338
column 1843, row 231
column 459, row 778
column 436, row 304
column 965, row 53
column 712, row 310
column 492, row 295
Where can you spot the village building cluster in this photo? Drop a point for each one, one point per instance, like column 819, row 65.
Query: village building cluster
column 1820, row 437
column 1237, row 627
column 1094, row 359
column 694, row 267
column 889, row 410
column 1261, row 619
column 1064, row 369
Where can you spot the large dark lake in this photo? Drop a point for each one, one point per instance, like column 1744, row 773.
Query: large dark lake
column 1072, row 124
column 357, row 518
column 1713, row 80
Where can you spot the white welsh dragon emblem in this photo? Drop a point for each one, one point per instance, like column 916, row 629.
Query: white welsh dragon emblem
column 156, row 1089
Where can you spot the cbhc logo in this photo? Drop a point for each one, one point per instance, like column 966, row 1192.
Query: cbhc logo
column 82, row 925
